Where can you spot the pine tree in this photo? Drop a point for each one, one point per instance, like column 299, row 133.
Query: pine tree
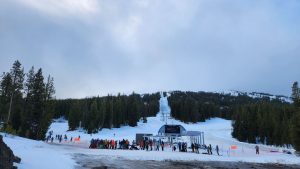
column 119, row 111
column 92, row 126
column 102, row 114
column 28, row 105
column 38, row 94
column 74, row 115
column 49, row 88
column 296, row 94
column 295, row 134
column 17, row 74
column 29, row 83
column 5, row 92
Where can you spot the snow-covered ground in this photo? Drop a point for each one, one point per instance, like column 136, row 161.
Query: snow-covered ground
column 37, row 154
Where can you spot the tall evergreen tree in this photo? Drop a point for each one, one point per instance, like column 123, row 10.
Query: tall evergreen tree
column 74, row 115
column 28, row 103
column 5, row 92
column 17, row 74
column 38, row 93
column 49, row 88
column 296, row 94
column 92, row 125
column 295, row 131
column 295, row 126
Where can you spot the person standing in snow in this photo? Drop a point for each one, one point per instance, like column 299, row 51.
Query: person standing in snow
column 210, row 149
column 197, row 148
column 147, row 145
column 66, row 138
column 193, row 147
column 217, row 149
column 257, row 149
column 151, row 144
column 162, row 145
column 144, row 144
column 157, row 146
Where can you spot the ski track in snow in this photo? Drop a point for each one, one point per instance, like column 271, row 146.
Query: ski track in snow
column 38, row 154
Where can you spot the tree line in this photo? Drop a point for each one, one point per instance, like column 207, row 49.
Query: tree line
column 199, row 106
column 263, row 122
column 269, row 122
column 254, row 120
column 25, row 107
column 94, row 114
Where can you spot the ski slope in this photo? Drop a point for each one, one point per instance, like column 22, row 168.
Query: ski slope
column 37, row 154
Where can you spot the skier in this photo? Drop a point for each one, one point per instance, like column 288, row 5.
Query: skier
column 217, row 149
column 162, row 145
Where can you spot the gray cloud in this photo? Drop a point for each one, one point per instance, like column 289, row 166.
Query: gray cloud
column 99, row 47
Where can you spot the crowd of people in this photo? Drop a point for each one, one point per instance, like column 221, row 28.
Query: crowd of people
column 145, row 144
column 148, row 145
column 109, row 144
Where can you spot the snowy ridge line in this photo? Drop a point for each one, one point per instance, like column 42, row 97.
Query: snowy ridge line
column 253, row 95
column 259, row 95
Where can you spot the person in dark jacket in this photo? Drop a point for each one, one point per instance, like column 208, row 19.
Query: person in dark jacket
column 197, row 148
column 210, row 149
column 157, row 146
column 257, row 149
column 193, row 147
column 217, row 149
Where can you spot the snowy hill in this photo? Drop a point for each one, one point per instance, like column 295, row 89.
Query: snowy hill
column 38, row 154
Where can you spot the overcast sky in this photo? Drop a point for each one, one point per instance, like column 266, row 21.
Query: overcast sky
column 94, row 47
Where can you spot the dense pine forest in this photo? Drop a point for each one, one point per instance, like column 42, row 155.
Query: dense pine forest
column 255, row 120
column 96, row 113
column 27, row 106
